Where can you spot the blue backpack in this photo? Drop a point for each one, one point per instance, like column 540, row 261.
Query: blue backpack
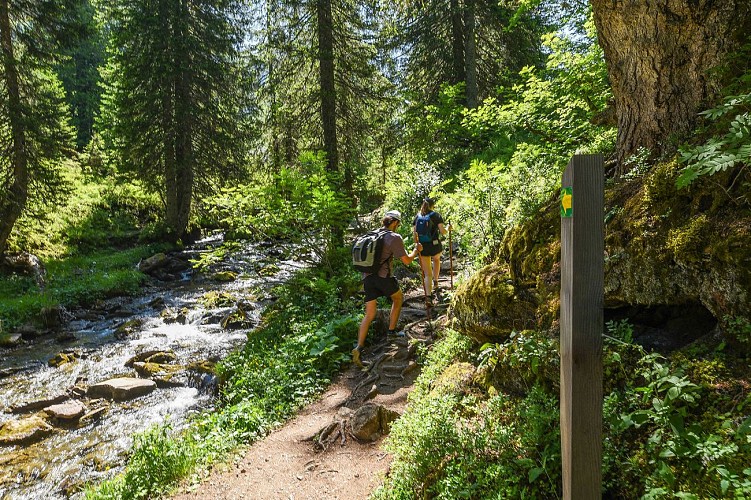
column 424, row 227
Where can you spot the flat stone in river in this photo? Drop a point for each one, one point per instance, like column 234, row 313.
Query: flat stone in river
column 121, row 389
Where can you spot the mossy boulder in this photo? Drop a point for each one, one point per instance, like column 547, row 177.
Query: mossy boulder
column 663, row 247
column 489, row 305
column 24, row 431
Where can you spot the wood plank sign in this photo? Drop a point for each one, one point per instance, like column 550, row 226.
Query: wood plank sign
column 581, row 320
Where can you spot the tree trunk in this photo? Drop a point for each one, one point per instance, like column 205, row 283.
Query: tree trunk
column 326, row 77
column 470, row 60
column 14, row 201
column 179, row 200
column 658, row 53
column 457, row 41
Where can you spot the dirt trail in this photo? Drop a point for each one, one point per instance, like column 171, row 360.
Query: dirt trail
column 299, row 461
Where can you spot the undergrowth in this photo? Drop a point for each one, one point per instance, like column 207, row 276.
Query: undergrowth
column 675, row 427
column 72, row 281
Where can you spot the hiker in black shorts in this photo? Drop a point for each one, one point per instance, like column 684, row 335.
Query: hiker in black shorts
column 427, row 228
column 382, row 283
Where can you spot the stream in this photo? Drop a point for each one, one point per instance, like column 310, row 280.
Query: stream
column 168, row 317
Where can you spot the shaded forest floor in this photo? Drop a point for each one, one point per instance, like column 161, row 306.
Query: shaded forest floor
column 315, row 455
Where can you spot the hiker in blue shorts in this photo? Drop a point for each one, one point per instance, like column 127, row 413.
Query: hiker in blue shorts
column 383, row 283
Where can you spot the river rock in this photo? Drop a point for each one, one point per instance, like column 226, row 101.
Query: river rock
column 150, row 369
column 38, row 404
column 128, row 328
column 62, row 358
column 10, row 340
column 24, row 431
column 225, row 276
column 169, row 316
column 121, row 389
column 70, row 410
column 152, row 356
column 153, row 263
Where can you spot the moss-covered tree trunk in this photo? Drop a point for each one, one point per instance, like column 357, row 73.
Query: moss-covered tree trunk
column 659, row 55
column 14, row 199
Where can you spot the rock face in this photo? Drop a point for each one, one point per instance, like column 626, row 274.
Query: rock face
column 25, row 431
column 121, row 389
column 664, row 247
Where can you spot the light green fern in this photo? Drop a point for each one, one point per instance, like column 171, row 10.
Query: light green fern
column 720, row 153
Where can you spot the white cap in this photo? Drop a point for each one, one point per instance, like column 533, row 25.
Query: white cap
column 394, row 214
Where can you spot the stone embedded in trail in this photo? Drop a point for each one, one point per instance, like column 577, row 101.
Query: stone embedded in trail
column 71, row 410
column 27, row 430
column 371, row 420
column 121, row 389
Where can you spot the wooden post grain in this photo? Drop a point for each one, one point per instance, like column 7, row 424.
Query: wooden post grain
column 581, row 324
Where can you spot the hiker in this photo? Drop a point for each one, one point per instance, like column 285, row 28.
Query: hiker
column 383, row 284
column 427, row 228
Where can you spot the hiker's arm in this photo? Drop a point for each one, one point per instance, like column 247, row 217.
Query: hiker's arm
column 407, row 259
column 442, row 228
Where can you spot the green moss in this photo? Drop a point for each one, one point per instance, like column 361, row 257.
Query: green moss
column 689, row 242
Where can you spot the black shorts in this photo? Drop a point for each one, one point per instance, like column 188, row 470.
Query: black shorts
column 431, row 249
column 375, row 287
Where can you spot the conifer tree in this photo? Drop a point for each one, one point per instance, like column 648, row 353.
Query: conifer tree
column 175, row 97
column 34, row 133
column 79, row 72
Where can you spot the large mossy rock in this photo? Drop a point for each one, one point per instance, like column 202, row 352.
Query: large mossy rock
column 24, row 431
column 663, row 247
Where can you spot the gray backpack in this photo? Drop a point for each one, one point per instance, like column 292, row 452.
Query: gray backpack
column 367, row 249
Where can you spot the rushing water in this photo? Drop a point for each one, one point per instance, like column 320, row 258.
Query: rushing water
column 70, row 457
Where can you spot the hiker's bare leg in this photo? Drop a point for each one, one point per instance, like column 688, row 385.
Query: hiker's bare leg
column 396, row 308
column 427, row 276
column 436, row 267
column 371, row 308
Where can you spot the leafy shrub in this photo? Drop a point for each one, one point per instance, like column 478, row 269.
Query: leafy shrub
column 720, row 153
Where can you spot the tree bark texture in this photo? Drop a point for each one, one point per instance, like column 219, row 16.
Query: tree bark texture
column 472, row 90
column 13, row 201
column 326, row 79
column 457, row 41
column 658, row 55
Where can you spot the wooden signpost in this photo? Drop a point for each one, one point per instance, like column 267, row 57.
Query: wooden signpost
column 581, row 321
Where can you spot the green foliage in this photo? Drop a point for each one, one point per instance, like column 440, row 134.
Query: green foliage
column 456, row 445
column 526, row 138
column 304, row 205
column 739, row 330
column 157, row 460
column 674, row 428
column 620, row 330
column 720, row 153
column 73, row 281
column 98, row 213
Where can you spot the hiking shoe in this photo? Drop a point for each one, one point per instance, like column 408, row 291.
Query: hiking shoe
column 356, row 352
column 394, row 334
